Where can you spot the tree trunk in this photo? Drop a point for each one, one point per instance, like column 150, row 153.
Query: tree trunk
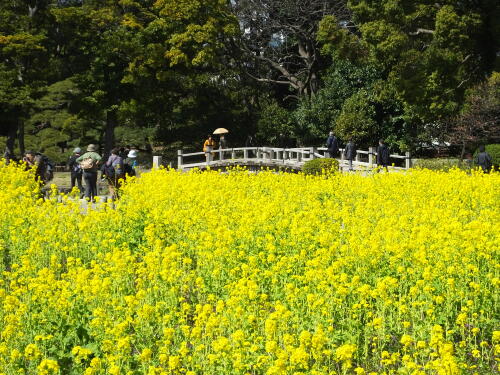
column 11, row 140
column 109, row 135
column 20, row 137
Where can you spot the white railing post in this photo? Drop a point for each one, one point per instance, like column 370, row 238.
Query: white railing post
column 299, row 156
column 233, row 154
column 407, row 160
column 313, row 152
column 371, row 152
column 245, row 154
column 357, row 156
column 342, row 156
column 271, row 154
column 179, row 159
column 156, row 162
column 221, row 154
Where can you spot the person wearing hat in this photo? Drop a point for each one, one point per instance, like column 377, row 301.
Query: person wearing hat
column 75, row 169
column 130, row 163
column 89, row 162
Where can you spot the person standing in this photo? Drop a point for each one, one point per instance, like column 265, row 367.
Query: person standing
column 75, row 169
column 114, row 171
column 36, row 161
column 89, row 162
column 483, row 159
column 350, row 153
column 208, row 147
column 382, row 154
column 222, row 146
column 130, row 163
column 332, row 145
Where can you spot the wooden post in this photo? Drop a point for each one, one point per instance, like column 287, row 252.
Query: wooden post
column 179, row 159
column 407, row 160
column 371, row 152
column 157, row 161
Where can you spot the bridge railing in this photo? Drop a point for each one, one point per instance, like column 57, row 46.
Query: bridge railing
column 293, row 157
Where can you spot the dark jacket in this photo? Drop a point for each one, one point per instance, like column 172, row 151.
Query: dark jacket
column 350, row 151
column 382, row 155
column 332, row 144
column 74, row 167
column 483, row 159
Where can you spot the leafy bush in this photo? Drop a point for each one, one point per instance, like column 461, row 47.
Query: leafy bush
column 436, row 164
column 320, row 166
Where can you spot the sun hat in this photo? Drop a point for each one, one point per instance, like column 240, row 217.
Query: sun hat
column 132, row 154
column 91, row 147
column 77, row 150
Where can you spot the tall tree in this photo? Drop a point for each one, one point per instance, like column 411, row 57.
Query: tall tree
column 279, row 43
column 24, row 54
column 431, row 51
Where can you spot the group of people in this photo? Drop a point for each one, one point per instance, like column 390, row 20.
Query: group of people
column 85, row 166
column 210, row 145
column 332, row 145
column 483, row 159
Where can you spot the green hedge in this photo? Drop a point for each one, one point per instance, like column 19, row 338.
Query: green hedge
column 437, row 164
column 320, row 166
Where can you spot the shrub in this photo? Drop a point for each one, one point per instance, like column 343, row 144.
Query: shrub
column 320, row 166
column 436, row 164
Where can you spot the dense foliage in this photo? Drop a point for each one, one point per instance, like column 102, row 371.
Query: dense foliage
column 324, row 166
column 164, row 73
column 207, row 273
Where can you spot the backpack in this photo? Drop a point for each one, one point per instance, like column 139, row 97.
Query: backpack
column 128, row 169
column 48, row 167
column 87, row 163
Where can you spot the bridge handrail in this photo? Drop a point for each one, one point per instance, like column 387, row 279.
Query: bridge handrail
column 293, row 155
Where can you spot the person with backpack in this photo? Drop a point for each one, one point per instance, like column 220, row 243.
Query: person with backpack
column 114, row 171
column 382, row 154
column 44, row 168
column 483, row 159
column 75, row 169
column 130, row 163
column 332, row 146
column 89, row 163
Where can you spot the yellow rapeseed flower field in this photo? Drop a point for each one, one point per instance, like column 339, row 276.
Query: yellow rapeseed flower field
column 238, row 273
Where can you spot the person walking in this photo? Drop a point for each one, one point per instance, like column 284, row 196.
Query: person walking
column 332, row 146
column 350, row 153
column 382, row 154
column 89, row 162
column 114, row 171
column 208, row 147
column 483, row 159
column 75, row 169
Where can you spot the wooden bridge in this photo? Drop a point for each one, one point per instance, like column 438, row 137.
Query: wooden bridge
column 280, row 158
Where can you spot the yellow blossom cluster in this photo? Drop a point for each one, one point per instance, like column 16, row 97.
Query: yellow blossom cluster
column 238, row 273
